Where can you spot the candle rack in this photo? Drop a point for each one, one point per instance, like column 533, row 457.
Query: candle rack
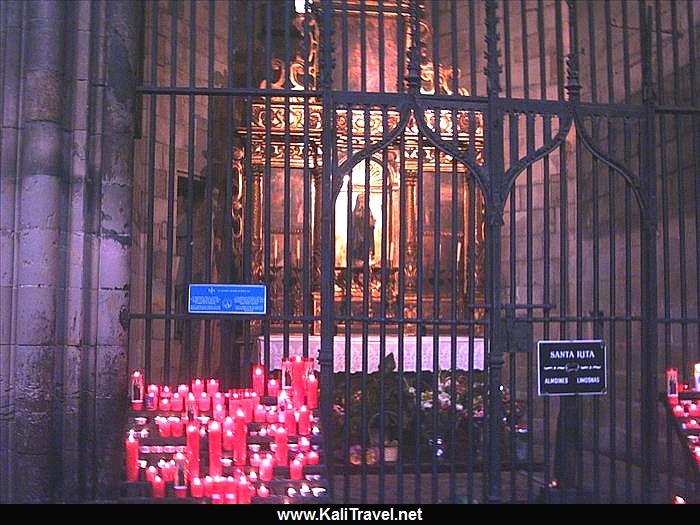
column 687, row 433
column 312, row 488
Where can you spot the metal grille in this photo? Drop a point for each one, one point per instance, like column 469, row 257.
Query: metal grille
column 427, row 190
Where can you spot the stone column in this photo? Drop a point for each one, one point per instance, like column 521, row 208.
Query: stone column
column 10, row 42
column 68, row 98
column 123, row 24
column 39, row 208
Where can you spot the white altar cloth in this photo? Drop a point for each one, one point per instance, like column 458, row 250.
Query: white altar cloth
column 391, row 346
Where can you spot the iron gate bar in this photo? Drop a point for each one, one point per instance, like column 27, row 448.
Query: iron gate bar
column 171, row 191
column 327, row 306
column 208, row 325
column 696, row 152
column 596, row 248
column 238, row 358
column 185, row 368
column 494, row 218
column 612, row 485
column 680, row 189
column 663, row 163
column 650, row 476
column 310, row 257
column 151, row 200
column 400, row 310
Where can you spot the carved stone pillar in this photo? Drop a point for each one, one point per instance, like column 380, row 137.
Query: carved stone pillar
column 257, row 255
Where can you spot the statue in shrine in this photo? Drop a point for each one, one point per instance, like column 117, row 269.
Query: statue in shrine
column 362, row 230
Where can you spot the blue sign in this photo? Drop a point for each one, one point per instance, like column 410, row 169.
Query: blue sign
column 227, row 299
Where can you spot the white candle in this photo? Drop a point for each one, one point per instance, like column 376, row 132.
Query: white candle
column 459, row 250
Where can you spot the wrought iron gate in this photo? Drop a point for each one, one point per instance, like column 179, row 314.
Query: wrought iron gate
column 427, row 190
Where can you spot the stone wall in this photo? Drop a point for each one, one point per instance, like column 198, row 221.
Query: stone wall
column 67, row 95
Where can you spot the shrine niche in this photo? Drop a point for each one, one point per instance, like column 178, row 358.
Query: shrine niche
column 406, row 206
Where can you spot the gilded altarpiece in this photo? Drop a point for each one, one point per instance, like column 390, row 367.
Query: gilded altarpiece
column 379, row 201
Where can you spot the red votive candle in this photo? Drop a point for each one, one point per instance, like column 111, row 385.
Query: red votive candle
column 260, row 414
column 183, row 390
column 266, row 470
column 312, row 458
column 193, row 451
column 230, row 499
column 304, row 444
column 247, row 404
column 218, row 399
column 244, row 492
column 203, row 402
column 229, row 485
column 176, row 402
column 212, row 387
column 281, row 451
column 166, row 392
column 228, row 439
column 304, row 421
column 197, row 488
column 164, row 404
column 296, row 469
column 197, row 387
column 678, row 411
column 166, row 470
column 208, row 486
column 151, row 473
column 255, row 460
column 163, row 426
column 273, row 388
column 214, row 448
column 312, row 391
column 290, row 421
column 259, row 380
column 158, row 485
column 234, row 403
column 219, row 482
column 298, row 367
column 694, row 410
column 219, row 413
column 175, row 426
column 240, row 434
column 263, row 491
column 271, row 415
column 132, row 458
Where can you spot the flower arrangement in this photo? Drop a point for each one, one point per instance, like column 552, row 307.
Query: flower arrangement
column 426, row 413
